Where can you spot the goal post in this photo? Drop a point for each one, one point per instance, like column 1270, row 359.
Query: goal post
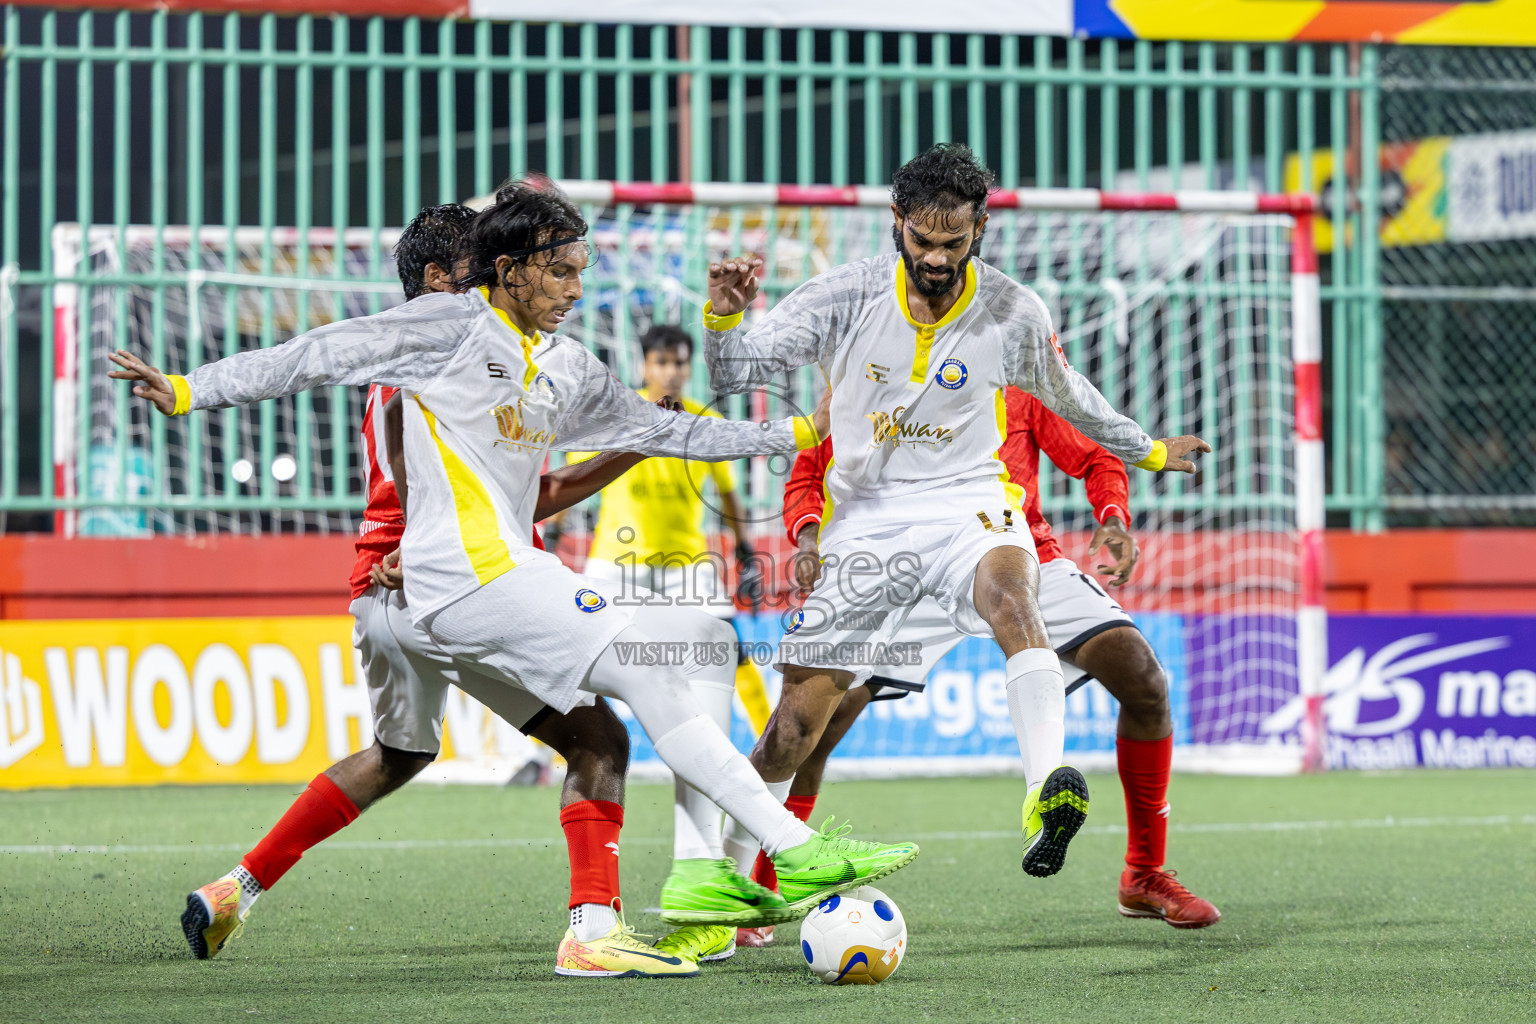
column 1194, row 311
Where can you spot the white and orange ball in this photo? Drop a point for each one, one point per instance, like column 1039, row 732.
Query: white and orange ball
column 857, row 938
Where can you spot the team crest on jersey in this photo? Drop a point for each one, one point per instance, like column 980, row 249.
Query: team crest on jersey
column 892, row 428
column 795, row 621
column 590, row 600
column 952, row 374
column 544, row 387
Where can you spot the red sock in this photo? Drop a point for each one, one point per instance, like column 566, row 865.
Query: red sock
column 321, row 811
column 1144, row 768
column 592, row 840
column 762, row 872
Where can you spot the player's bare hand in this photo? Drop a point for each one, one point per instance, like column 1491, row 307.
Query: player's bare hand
column 1117, row 540
column 807, row 559
column 821, row 419
column 152, row 386
column 1178, row 447
column 669, row 403
column 733, row 284
column 388, row 573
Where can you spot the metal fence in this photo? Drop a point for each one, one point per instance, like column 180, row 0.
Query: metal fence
column 1459, row 310
column 183, row 122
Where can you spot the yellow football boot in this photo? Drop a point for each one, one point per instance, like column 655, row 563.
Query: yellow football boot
column 212, row 917
column 619, row 954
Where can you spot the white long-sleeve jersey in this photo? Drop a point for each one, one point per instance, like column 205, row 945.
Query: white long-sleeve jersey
column 484, row 404
column 918, row 411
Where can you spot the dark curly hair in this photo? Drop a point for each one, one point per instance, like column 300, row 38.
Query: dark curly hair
column 942, row 179
column 529, row 222
column 431, row 237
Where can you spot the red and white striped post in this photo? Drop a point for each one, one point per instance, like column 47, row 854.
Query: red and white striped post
column 1307, row 361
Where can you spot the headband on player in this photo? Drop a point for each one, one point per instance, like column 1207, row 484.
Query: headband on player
column 555, row 244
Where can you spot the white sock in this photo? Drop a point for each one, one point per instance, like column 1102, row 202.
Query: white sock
column 738, row 842
column 699, row 752
column 592, row 921
column 696, row 819
column 1037, row 701
column 249, row 888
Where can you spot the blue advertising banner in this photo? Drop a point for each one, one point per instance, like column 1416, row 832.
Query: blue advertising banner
column 1438, row 691
column 1401, row 691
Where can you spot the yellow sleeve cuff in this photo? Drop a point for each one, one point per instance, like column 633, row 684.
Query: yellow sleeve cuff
column 1157, row 460
column 183, row 394
column 720, row 323
column 805, row 433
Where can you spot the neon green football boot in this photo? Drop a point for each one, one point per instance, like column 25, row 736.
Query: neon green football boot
column 1053, row 812
column 701, row 943
column 829, row 863
column 704, row 891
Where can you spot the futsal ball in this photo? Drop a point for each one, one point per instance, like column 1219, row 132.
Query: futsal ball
column 857, row 938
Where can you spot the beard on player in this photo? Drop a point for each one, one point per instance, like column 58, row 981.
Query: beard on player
column 930, row 281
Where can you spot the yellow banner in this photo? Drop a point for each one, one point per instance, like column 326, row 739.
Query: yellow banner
column 133, row 702
column 152, row 701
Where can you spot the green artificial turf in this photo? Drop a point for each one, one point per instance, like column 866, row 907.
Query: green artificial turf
column 1405, row 904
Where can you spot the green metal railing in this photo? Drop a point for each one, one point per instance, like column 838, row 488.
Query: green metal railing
column 171, row 124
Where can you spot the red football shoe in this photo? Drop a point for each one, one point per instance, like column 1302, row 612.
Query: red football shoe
column 1158, row 893
column 755, row 938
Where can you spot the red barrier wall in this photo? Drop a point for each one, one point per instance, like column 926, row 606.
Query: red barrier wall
column 43, row 577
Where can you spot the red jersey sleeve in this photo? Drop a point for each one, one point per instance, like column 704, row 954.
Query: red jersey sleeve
column 1103, row 474
column 803, row 500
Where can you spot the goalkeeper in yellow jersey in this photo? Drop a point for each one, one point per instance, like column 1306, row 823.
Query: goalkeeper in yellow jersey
column 650, row 537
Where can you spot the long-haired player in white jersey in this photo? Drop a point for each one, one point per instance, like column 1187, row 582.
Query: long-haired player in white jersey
column 918, row 347
column 408, row 679
column 490, row 389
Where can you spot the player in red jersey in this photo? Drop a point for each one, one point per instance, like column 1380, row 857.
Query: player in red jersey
column 407, row 684
column 1094, row 638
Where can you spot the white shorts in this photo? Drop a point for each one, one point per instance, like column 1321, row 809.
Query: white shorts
column 872, row 581
column 697, row 585
column 538, row 627
column 408, row 678
column 1074, row 606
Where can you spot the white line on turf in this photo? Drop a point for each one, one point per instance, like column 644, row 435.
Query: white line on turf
column 920, row 837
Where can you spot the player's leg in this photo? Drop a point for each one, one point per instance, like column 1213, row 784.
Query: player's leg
column 811, row 865
column 407, row 698
column 1056, row 801
column 1121, row 659
column 700, row 878
column 803, row 790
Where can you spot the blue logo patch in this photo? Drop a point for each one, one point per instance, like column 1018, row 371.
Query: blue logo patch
column 795, row 621
column 952, row 374
column 544, row 387
column 805, row 947
column 829, row 904
column 590, row 601
column 883, row 910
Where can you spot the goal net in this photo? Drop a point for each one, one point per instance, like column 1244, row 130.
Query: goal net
column 1183, row 309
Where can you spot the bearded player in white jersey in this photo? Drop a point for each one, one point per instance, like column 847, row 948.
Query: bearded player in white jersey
column 489, row 391
column 918, row 347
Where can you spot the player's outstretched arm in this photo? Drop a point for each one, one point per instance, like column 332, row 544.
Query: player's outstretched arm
column 800, row 330
column 406, row 346
column 605, row 415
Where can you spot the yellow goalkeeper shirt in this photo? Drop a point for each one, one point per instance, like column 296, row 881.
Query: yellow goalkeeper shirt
column 662, row 501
